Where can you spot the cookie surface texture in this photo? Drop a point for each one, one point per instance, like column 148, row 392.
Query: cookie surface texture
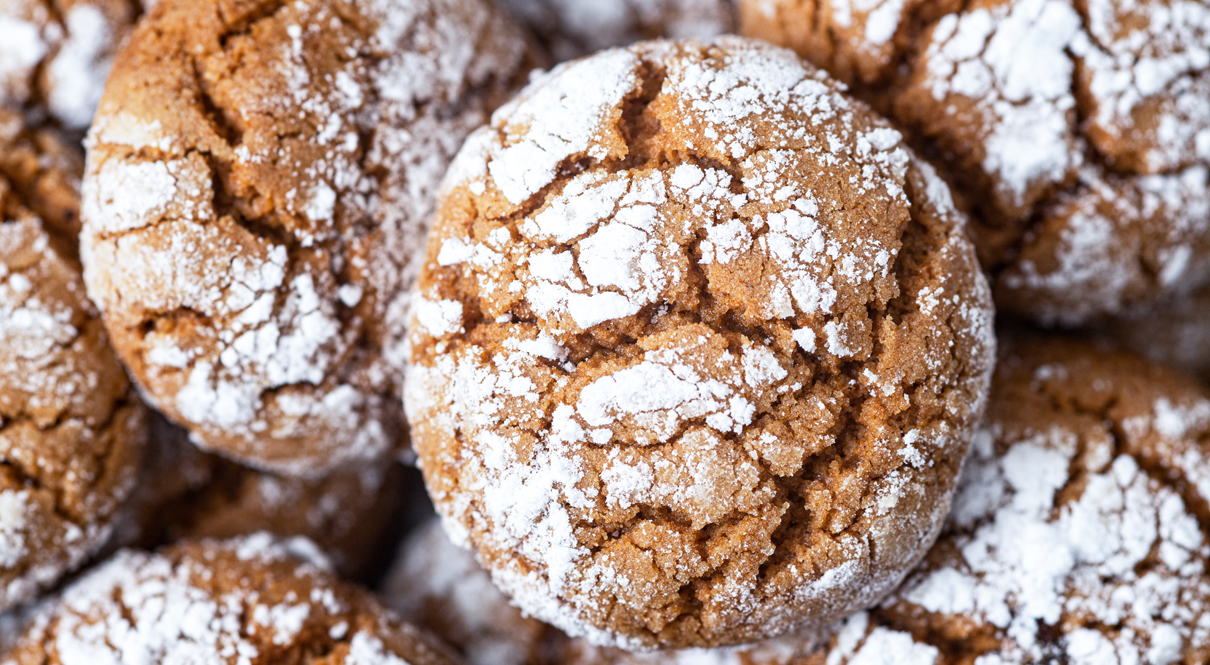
column 1078, row 532
column 260, row 176
column 571, row 28
column 1078, row 131
column 71, row 429
column 246, row 601
column 697, row 349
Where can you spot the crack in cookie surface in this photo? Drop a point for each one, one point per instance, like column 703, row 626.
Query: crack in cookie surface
column 675, row 372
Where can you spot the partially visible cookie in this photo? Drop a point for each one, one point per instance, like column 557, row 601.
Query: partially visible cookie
column 260, row 175
column 184, row 493
column 1079, row 530
column 56, row 54
column 246, row 601
column 698, row 347
column 574, row 28
column 1078, row 131
column 439, row 586
column 45, row 167
column 1176, row 333
column 71, row 429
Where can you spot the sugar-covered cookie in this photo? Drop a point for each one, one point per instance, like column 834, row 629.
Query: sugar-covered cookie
column 697, row 349
column 260, row 176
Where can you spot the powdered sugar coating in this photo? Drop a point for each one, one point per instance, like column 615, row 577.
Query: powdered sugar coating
column 626, row 374
column 71, row 431
column 252, row 253
column 1077, row 532
column 440, row 586
column 59, row 57
column 571, row 29
column 247, row 601
column 1039, row 107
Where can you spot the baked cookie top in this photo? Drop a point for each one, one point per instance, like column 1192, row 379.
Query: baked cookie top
column 1078, row 131
column 56, row 54
column 572, row 28
column 697, row 347
column 247, row 601
column 71, row 430
column 260, row 175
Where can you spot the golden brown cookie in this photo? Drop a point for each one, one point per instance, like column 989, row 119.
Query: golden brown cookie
column 185, row 493
column 1078, row 533
column 697, row 348
column 439, row 586
column 260, row 175
column 247, row 601
column 573, row 28
column 1176, row 333
column 71, row 430
column 1078, row 131
column 56, row 54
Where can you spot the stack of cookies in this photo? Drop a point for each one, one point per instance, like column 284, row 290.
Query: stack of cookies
column 585, row 332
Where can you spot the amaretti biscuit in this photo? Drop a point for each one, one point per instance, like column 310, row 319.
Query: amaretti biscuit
column 574, row 28
column 247, row 601
column 260, row 176
column 71, row 429
column 56, row 54
column 1078, row 131
column 697, row 350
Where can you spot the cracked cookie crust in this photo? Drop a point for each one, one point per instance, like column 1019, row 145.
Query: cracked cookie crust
column 71, row 429
column 260, row 175
column 1078, row 131
column 1080, row 525
column 697, row 348
column 245, row 601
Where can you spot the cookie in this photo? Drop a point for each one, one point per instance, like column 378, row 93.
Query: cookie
column 697, row 349
column 1078, row 531
column 571, row 29
column 260, row 176
column 184, row 493
column 71, row 430
column 1079, row 131
column 55, row 55
column 250, row 601
column 440, row 587
column 45, row 167
column 1176, row 333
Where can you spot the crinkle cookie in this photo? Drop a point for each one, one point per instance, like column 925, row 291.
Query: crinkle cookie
column 260, row 176
column 1080, row 131
column 56, row 54
column 574, row 28
column 44, row 167
column 439, row 586
column 351, row 515
column 1078, row 533
column 1176, row 333
column 697, row 349
column 71, row 429
column 246, row 601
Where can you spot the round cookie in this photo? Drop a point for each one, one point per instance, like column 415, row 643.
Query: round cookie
column 56, row 54
column 260, row 176
column 697, row 348
column 1078, row 533
column 440, row 587
column 572, row 28
column 247, row 601
column 71, row 429
column 1079, row 131
column 1176, row 333
column 184, row 493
